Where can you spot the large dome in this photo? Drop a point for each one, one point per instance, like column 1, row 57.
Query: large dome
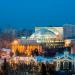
column 43, row 34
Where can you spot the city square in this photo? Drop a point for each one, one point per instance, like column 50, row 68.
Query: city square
column 37, row 37
column 46, row 46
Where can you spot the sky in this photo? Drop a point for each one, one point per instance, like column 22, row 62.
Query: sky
column 31, row 13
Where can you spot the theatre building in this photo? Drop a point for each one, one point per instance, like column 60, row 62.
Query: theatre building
column 42, row 37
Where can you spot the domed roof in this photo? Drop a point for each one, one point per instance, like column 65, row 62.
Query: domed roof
column 44, row 31
column 43, row 34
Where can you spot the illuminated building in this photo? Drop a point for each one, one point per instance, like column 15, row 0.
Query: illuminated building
column 64, row 61
column 47, row 34
column 26, row 48
column 43, row 36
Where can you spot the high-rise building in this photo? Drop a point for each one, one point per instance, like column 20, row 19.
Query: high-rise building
column 69, row 31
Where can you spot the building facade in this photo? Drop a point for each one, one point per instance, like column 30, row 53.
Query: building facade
column 69, row 31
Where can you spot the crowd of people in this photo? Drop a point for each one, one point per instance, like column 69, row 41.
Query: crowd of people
column 42, row 68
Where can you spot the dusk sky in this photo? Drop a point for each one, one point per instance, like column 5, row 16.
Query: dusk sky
column 31, row 13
